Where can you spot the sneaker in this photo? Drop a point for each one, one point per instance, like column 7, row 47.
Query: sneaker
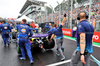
column 22, row 58
column 57, row 54
column 62, row 59
column 8, row 44
column 62, row 49
column 57, row 49
column 31, row 62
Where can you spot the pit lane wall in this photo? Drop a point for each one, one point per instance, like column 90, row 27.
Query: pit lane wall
column 96, row 36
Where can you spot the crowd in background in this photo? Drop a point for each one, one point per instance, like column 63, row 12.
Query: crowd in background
column 95, row 16
column 95, row 12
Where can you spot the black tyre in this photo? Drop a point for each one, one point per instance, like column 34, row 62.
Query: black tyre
column 49, row 44
column 14, row 35
column 18, row 50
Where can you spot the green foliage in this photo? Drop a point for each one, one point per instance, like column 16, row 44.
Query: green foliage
column 79, row 1
column 56, row 8
column 64, row 6
column 1, row 18
column 49, row 10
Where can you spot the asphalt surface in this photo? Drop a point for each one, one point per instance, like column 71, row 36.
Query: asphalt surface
column 9, row 56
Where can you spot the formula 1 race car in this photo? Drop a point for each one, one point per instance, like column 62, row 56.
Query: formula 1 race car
column 41, row 41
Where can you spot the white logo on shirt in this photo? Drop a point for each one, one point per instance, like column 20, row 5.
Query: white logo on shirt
column 5, row 27
column 23, row 30
column 79, row 26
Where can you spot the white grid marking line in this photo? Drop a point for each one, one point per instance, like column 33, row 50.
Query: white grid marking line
column 59, row 63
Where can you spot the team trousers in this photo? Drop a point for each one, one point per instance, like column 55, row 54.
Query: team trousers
column 76, row 59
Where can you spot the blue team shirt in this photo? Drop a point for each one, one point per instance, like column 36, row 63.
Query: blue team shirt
column 23, row 30
column 11, row 27
column 49, row 27
column 51, row 31
column 5, row 28
column 85, row 27
column 58, row 32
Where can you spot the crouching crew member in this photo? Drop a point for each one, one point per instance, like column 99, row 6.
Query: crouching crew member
column 23, row 36
column 84, row 41
column 59, row 38
column 6, row 30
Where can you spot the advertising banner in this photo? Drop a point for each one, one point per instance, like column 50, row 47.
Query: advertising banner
column 67, row 32
column 96, row 37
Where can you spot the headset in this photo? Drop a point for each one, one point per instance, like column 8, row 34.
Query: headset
column 78, row 17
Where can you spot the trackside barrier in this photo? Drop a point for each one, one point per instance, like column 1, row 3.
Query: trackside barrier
column 68, row 32
column 96, row 37
column 97, row 61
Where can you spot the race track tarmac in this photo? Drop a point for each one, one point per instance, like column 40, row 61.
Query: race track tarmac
column 9, row 56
